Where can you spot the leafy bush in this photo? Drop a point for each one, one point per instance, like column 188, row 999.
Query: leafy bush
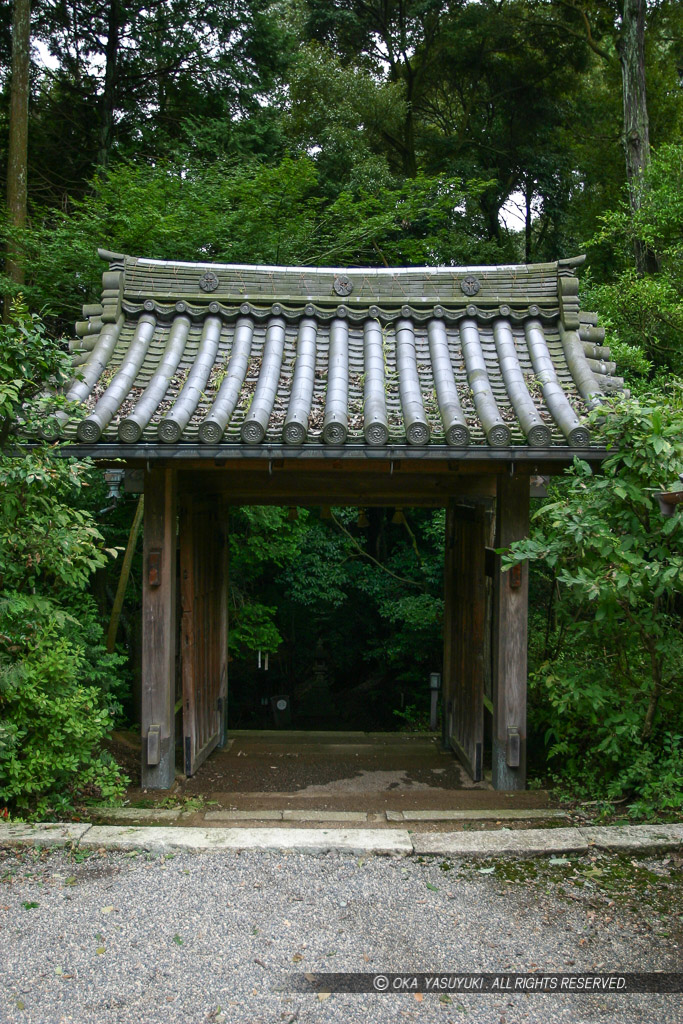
column 646, row 312
column 59, row 689
column 605, row 682
column 54, row 709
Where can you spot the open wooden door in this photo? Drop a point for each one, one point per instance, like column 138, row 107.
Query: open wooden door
column 204, row 627
column 464, row 622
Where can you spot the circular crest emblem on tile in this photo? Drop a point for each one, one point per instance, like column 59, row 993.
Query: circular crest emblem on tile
column 208, row 282
column 470, row 285
column 343, row 285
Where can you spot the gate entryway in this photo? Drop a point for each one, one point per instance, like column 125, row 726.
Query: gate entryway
column 408, row 386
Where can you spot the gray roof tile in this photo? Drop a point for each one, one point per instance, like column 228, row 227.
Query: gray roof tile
column 239, row 356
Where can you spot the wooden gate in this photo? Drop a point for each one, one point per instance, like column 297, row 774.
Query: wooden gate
column 204, row 626
column 464, row 623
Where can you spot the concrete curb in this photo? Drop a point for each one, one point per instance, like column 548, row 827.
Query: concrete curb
column 520, row 843
column 396, row 842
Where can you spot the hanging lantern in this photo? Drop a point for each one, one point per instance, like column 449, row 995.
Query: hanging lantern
column 113, row 479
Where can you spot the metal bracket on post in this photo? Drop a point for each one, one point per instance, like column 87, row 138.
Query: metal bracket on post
column 154, row 745
column 154, row 568
column 515, row 576
column 513, row 748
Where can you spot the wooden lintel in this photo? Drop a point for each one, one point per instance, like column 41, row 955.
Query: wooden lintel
column 429, row 490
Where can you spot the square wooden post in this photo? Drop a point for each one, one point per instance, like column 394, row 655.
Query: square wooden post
column 204, row 638
column 159, row 630
column 510, row 616
column 463, row 628
column 223, row 620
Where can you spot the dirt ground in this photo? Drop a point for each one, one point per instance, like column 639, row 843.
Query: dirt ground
column 370, row 772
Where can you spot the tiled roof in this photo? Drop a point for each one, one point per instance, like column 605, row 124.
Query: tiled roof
column 241, row 355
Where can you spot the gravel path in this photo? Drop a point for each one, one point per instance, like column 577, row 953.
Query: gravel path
column 199, row 938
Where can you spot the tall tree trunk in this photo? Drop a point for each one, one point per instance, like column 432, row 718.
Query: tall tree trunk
column 17, row 158
column 631, row 48
column 111, row 53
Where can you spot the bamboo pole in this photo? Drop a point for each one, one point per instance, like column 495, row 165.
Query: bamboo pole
column 125, row 573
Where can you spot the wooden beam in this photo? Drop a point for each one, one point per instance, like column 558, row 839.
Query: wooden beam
column 158, row 630
column 510, row 617
column 341, row 488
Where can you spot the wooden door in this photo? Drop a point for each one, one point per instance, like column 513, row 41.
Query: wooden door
column 464, row 645
column 204, row 627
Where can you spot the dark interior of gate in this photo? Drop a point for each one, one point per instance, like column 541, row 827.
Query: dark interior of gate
column 406, row 387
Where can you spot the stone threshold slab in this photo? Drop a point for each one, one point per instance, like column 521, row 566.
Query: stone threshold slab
column 633, row 837
column 501, row 842
column 134, row 814
column 533, row 842
column 46, row 834
column 287, row 815
column 145, row 815
column 482, row 815
column 162, row 840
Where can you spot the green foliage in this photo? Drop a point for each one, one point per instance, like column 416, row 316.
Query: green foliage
column 359, row 616
column 53, row 710
column 262, row 540
column 46, row 542
column 413, row 719
column 59, row 689
column 31, row 362
column 604, row 685
column 646, row 313
column 253, row 213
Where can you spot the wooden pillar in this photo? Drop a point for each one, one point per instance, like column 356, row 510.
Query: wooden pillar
column 464, row 617
column 223, row 621
column 204, row 639
column 510, row 615
column 159, row 630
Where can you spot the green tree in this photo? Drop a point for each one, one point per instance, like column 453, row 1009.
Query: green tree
column 17, row 157
column 645, row 312
column 58, row 687
column 605, row 680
